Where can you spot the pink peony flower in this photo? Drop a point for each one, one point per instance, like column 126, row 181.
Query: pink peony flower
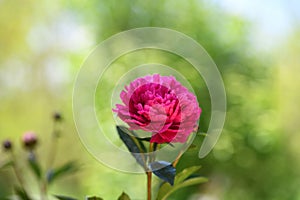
column 161, row 105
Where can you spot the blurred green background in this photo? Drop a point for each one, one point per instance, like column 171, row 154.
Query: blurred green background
column 255, row 45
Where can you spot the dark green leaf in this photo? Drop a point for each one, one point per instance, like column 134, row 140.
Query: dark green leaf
column 34, row 166
column 184, row 174
column 94, row 198
column 22, row 194
column 133, row 145
column 124, row 196
column 65, row 169
column 166, row 190
column 163, row 170
column 140, row 140
column 147, row 139
column 141, row 146
column 192, row 147
column 60, row 197
column 155, row 145
column 172, row 145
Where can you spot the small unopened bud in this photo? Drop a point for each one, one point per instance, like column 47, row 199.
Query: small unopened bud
column 7, row 145
column 57, row 116
column 29, row 140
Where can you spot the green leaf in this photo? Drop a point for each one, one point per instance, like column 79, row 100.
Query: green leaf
column 61, row 197
column 94, row 198
column 22, row 194
column 7, row 164
column 124, row 196
column 134, row 146
column 202, row 134
column 34, row 166
column 65, row 169
column 184, row 174
column 163, row 170
column 166, row 190
column 5, row 198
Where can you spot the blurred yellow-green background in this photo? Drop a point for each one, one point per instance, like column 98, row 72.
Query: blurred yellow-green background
column 255, row 45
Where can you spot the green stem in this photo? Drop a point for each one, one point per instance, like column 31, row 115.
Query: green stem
column 43, row 190
column 177, row 159
column 151, row 153
column 16, row 172
column 53, row 147
column 51, row 159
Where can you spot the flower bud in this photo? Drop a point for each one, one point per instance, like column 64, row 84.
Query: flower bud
column 29, row 140
column 57, row 116
column 7, row 145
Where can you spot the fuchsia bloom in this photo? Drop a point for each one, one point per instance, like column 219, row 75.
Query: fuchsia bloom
column 161, row 105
